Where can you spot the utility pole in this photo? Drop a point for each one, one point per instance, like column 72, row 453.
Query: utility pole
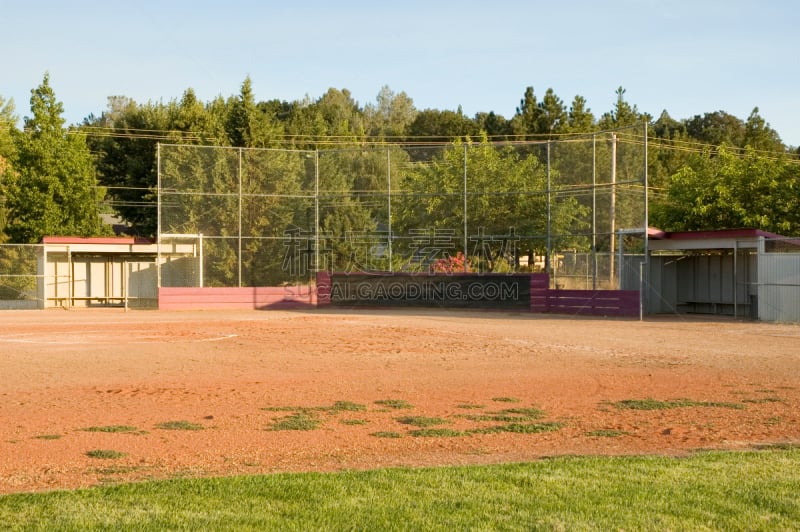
column 613, row 208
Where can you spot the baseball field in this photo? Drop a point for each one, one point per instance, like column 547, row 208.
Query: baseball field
column 103, row 397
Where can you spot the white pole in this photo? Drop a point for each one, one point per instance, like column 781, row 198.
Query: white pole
column 646, row 216
column 549, row 243
column 466, row 251
column 239, row 259
column 70, row 277
column 594, row 212
column 126, row 286
column 200, row 237
column 612, row 210
column 158, row 214
column 641, row 290
column 316, row 212
column 389, row 192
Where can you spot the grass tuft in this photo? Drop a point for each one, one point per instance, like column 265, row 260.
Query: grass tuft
column 105, row 454
column 48, row 437
column 297, row 421
column 386, row 434
column 508, row 415
column 521, row 428
column 111, row 428
column 285, row 409
column 505, row 399
column 653, row 404
column 347, row 406
column 179, row 425
column 422, row 421
column 437, row 433
column 397, row 404
column 354, row 421
column 606, row 433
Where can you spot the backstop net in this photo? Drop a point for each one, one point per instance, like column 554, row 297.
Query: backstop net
column 21, row 276
column 574, row 207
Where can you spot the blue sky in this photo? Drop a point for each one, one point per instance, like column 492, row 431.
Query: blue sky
column 688, row 57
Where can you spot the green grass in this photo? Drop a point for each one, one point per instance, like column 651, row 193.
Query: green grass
column 437, row 433
column 111, row 428
column 422, row 421
column 653, row 404
column 606, row 433
column 386, row 434
column 353, row 422
column 508, row 415
column 338, row 406
column 296, row 421
column 521, row 428
column 754, row 490
column 505, row 399
column 48, row 437
column 179, row 425
column 347, row 406
column 106, row 454
column 397, row 404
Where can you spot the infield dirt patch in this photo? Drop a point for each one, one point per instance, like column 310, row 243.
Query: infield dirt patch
column 96, row 396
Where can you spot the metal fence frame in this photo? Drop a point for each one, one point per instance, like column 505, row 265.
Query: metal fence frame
column 226, row 171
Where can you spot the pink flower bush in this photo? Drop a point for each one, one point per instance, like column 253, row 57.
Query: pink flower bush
column 452, row 264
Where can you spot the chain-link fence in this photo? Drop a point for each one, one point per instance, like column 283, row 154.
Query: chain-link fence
column 778, row 289
column 261, row 217
column 21, row 279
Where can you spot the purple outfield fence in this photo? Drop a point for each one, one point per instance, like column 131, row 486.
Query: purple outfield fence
column 623, row 303
column 593, row 302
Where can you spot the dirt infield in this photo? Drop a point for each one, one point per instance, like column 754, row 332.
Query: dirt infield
column 480, row 388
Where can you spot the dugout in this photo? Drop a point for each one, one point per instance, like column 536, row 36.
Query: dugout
column 725, row 272
column 103, row 272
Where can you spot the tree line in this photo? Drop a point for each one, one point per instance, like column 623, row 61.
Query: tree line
column 709, row 171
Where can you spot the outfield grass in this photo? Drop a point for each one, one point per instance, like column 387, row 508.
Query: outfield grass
column 708, row 491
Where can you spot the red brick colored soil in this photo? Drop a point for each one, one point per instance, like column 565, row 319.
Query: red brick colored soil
column 235, row 374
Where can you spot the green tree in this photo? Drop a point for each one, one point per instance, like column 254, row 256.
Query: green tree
column 579, row 117
column 716, row 129
column 623, row 115
column 495, row 126
column 759, row 135
column 724, row 190
column 540, row 119
column 8, row 129
column 391, row 116
column 250, row 125
column 506, row 199
column 526, row 117
column 433, row 125
column 125, row 139
column 54, row 191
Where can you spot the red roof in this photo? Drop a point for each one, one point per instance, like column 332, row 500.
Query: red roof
column 96, row 240
column 705, row 235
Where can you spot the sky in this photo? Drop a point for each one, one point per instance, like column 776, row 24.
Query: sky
column 688, row 57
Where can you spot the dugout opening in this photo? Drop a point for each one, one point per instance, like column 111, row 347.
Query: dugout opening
column 100, row 272
column 705, row 272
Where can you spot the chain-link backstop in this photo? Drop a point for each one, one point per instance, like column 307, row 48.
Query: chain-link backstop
column 575, row 207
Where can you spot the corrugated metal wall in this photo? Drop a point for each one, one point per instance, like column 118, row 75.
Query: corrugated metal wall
column 779, row 287
column 703, row 283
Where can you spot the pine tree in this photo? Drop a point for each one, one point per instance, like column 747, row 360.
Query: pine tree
column 53, row 191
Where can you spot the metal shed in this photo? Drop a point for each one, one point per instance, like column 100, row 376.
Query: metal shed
column 744, row 273
column 114, row 271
